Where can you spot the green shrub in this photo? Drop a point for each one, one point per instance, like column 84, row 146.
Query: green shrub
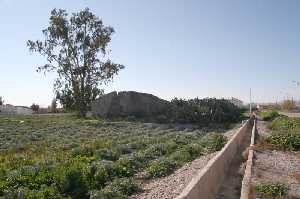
column 106, row 194
column 43, row 193
column 170, row 146
column 124, row 167
column 126, row 186
column 73, row 180
column 159, row 168
column 82, row 151
column 268, row 115
column 180, row 157
column 195, row 149
column 276, row 191
column 106, row 165
column 154, row 151
column 86, row 159
column 98, row 176
column 107, row 154
column 124, row 149
column 214, row 142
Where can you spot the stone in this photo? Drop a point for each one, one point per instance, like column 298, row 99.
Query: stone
column 128, row 103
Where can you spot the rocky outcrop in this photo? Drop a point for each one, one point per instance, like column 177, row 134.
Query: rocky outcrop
column 128, row 103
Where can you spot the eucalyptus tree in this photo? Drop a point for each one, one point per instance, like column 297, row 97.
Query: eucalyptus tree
column 75, row 47
column 1, row 101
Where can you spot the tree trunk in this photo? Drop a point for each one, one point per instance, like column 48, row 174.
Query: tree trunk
column 82, row 111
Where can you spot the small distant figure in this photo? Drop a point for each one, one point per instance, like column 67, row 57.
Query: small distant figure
column 20, row 195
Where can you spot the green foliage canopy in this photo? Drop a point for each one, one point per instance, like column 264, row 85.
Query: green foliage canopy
column 76, row 48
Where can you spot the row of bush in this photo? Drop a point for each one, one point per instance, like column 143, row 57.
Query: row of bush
column 203, row 112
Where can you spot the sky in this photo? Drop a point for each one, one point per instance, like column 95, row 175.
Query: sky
column 182, row 48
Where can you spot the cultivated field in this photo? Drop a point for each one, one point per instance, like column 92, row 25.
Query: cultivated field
column 67, row 157
column 277, row 158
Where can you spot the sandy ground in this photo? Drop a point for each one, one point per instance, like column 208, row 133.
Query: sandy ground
column 171, row 186
column 272, row 166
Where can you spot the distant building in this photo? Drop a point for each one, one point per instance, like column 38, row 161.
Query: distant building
column 9, row 109
column 237, row 102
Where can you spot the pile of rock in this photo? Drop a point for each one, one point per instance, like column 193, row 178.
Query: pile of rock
column 128, row 103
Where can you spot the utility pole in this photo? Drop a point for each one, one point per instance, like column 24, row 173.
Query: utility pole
column 250, row 101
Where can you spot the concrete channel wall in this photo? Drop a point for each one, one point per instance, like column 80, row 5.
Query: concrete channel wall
column 207, row 183
column 246, row 183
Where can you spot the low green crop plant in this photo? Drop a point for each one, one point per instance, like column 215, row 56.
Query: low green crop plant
column 126, row 186
column 286, row 141
column 106, row 193
column 82, row 151
column 107, row 154
column 155, row 150
column 98, row 176
column 285, row 124
column 124, row 167
column 214, row 142
column 180, row 157
column 272, row 191
column 268, row 115
column 73, row 181
column 44, row 192
column 52, row 156
column 159, row 168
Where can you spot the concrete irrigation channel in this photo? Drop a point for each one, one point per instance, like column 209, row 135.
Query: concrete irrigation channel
column 222, row 177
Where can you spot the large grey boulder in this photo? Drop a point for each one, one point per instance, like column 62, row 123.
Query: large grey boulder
column 128, row 103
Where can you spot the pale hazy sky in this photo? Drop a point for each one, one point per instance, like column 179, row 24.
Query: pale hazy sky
column 183, row 48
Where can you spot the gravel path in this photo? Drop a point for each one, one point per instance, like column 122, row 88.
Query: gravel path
column 290, row 114
column 272, row 166
column 171, row 186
